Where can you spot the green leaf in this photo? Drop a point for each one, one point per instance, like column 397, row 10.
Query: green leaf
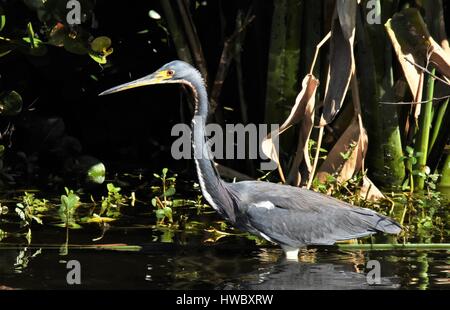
column 10, row 103
column 71, row 225
column 2, row 19
column 101, row 44
column 154, row 15
column 100, row 49
column 154, row 202
column 36, row 48
column 97, row 219
column 164, row 171
column 69, row 202
column 112, row 189
column 99, row 58
column 96, row 173
column 170, row 192
column 168, row 212
column 181, row 202
column 160, row 214
column 409, row 150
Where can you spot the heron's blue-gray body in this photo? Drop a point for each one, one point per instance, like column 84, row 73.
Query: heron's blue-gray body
column 289, row 216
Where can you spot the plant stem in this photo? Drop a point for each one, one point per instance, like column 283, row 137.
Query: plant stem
column 445, row 178
column 424, row 132
column 438, row 123
column 407, row 246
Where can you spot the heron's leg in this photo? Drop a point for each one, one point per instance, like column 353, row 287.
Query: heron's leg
column 291, row 253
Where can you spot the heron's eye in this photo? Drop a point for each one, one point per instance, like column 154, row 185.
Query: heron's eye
column 170, row 72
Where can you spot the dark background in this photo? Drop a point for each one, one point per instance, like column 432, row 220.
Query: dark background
column 132, row 128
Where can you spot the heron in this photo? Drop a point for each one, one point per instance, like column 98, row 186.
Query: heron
column 289, row 216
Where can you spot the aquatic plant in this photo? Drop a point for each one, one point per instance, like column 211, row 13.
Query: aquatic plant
column 163, row 202
column 69, row 204
column 111, row 204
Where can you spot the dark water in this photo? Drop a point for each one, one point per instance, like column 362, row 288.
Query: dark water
column 189, row 263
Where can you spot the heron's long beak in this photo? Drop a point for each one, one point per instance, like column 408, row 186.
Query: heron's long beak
column 158, row 77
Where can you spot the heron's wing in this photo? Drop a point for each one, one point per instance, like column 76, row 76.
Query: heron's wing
column 294, row 216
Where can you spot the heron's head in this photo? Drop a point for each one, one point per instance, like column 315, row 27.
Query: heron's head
column 176, row 71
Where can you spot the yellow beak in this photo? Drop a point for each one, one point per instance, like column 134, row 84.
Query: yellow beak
column 159, row 77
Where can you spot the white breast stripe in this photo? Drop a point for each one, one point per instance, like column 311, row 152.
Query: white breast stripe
column 265, row 237
column 203, row 187
column 264, row 204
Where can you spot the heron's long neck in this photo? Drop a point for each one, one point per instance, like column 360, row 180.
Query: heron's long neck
column 210, row 182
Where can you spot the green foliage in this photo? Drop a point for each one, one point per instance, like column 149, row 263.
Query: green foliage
column 348, row 154
column 69, row 203
column 2, row 19
column 411, row 159
column 31, row 209
column 100, row 49
column 55, row 31
column 423, row 217
column 163, row 202
column 96, row 173
column 111, row 204
column 312, row 149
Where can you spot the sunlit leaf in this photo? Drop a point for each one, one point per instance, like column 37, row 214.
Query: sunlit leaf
column 96, row 173
column 101, row 44
column 154, row 15
column 112, row 189
column 70, row 225
column 168, row 213
column 170, row 192
column 97, row 219
column 160, row 214
column 36, row 48
column 2, row 19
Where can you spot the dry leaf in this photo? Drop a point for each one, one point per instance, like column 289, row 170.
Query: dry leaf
column 341, row 59
column 369, row 191
column 306, row 106
column 335, row 161
column 303, row 109
column 399, row 28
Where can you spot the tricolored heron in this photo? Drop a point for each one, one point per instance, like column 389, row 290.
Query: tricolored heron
column 290, row 216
